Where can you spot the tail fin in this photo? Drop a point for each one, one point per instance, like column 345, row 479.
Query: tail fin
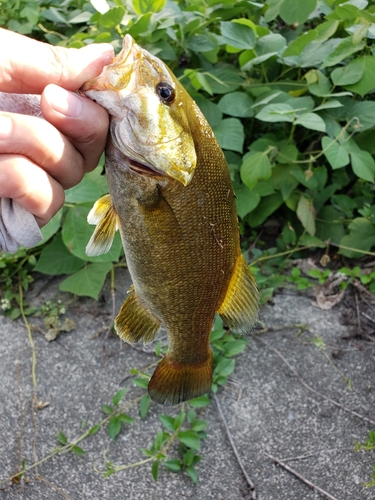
column 174, row 382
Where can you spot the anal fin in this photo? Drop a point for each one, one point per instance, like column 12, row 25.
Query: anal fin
column 240, row 307
column 173, row 382
column 104, row 215
column 134, row 323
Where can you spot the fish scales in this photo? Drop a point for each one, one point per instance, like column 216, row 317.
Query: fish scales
column 175, row 208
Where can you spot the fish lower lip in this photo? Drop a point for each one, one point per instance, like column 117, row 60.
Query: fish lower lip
column 142, row 169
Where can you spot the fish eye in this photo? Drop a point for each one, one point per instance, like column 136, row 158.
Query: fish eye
column 166, row 92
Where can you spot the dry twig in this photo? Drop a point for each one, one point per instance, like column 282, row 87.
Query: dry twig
column 251, row 485
column 302, row 478
column 305, row 384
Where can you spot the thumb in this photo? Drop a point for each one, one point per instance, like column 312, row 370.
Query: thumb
column 27, row 65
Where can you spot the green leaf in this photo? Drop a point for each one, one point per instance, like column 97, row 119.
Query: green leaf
column 200, row 402
column 255, row 167
column 88, row 281
column 112, row 17
column 125, row 419
column 296, row 12
column 277, row 112
column 318, row 83
column 76, row 233
column 87, row 190
column 236, row 104
column 210, row 110
column 311, row 121
column 234, row 348
column 224, row 79
column 349, row 74
column 190, row 439
column 145, row 6
column 155, row 470
column 167, row 422
column 144, row 405
column 296, row 47
column 361, row 236
column 367, row 82
column 224, row 367
column 336, row 154
column 107, row 409
column 345, row 49
column 363, row 165
column 265, row 208
column 118, row 396
column 237, row 35
column 51, row 227
column 94, row 429
column 62, row 439
column 329, row 225
column 246, row 201
column 192, row 473
column 114, row 427
column 56, row 259
column 173, row 465
column 77, row 450
column 202, row 43
column 230, row 134
column 306, row 214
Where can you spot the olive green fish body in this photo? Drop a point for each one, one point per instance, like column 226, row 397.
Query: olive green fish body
column 181, row 242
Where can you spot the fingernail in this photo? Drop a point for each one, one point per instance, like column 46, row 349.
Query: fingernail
column 5, row 126
column 64, row 102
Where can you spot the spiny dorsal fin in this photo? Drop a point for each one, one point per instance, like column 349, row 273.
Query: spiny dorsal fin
column 134, row 323
column 104, row 215
column 240, row 307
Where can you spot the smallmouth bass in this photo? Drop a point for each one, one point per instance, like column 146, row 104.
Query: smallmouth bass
column 172, row 199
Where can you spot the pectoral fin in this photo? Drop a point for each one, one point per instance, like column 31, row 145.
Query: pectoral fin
column 135, row 323
column 239, row 309
column 104, row 215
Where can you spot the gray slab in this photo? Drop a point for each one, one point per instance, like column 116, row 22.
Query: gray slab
column 266, row 408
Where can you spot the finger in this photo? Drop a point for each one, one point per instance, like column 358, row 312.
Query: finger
column 31, row 187
column 80, row 119
column 40, row 142
column 27, row 65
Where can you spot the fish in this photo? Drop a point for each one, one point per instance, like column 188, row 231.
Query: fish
column 172, row 199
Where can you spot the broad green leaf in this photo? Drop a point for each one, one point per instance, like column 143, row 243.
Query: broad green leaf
column 223, row 80
column 272, row 43
column 367, row 82
column 246, row 201
column 192, row 473
column 363, row 165
column 62, row 439
column 112, row 17
column 278, row 112
column 88, row 281
column 77, row 450
column 140, row 26
column 200, row 402
column 82, row 17
column 311, row 121
column 348, row 74
column 167, row 422
column 114, row 427
column 318, row 83
column 329, row 224
column 361, row 236
column 202, row 43
column 56, row 259
column 173, row 465
column 118, row 396
column 77, row 231
column 314, row 178
column 335, row 153
column 265, row 208
column 236, row 104
column 155, row 470
column 306, row 214
column 190, row 439
column 286, row 153
column 144, row 405
column 345, row 49
column 145, row 6
column 237, row 35
column 316, row 53
column 365, row 112
column 125, row 419
column 230, row 134
column 51, row 227
column 296, row 47
column 91, row 188
column 292, row 11
column 256, row 167
column 210, row 110
column 283, row 180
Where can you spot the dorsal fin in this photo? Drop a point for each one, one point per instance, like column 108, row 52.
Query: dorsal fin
column 104, row 215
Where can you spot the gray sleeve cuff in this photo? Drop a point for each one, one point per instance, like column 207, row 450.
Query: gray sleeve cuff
column 18, row 227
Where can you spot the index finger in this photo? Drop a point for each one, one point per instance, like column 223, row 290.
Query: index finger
column 27, row 65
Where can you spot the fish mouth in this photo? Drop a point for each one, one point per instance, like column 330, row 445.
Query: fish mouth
column 143, row 169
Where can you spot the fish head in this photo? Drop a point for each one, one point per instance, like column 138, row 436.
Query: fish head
column 146, row 102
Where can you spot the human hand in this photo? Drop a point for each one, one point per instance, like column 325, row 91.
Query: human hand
column 40, row 158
